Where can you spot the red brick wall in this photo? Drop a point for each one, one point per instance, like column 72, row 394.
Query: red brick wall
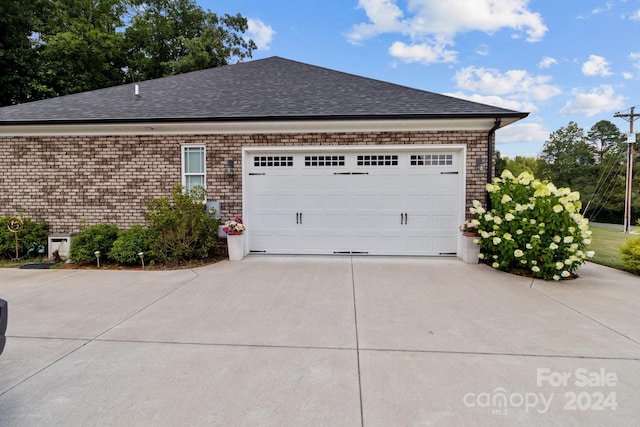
column 106, row 179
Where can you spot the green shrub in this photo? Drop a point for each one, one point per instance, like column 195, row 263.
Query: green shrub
column 91, row 239
column 180, row 228
column 533, row 226
column 130, row 243
column 31, row 231
column 631, row 255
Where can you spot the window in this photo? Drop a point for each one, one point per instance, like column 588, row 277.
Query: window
column 271, row 161
column 378, row 160
column 324, row 161
column 194, row 166
column 432, row 160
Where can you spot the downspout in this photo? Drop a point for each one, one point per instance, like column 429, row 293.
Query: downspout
column 490, row 164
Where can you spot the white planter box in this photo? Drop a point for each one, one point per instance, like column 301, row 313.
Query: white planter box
column 235, row 246
column 470, row 250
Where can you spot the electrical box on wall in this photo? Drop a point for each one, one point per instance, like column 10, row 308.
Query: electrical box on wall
column 214, row 205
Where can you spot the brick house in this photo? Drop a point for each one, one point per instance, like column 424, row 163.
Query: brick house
column 317, row 161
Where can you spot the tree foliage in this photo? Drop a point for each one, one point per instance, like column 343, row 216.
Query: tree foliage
column 605, row 136
column 593, row 164
column 175, row 36
column 180, row 229
column 59, row 47
column 566, row 156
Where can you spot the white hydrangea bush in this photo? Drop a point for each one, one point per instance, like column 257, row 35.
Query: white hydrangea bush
column 533, row 227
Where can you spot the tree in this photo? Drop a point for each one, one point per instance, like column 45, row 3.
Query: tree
column 604, row 135
column 521, row 164
column 18, row 56
column 175, row 36
column 501, row 163
column 567, row 158
column 58, row 47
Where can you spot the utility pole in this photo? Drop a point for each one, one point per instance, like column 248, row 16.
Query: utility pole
column 631, row 139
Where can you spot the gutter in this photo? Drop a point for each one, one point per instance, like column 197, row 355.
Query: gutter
column 490, row 164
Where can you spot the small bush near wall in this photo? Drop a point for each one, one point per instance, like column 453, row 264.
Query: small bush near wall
column 130, row 243
column 180, row 228
column 91, row 239
column 31, row 232
column 533, row 227
column 631, row 255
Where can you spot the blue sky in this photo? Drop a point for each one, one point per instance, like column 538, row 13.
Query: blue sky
column 559, row 60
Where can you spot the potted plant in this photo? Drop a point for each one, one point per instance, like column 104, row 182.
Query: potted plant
column 470, row 248
column 469, row 228
column 235, row 229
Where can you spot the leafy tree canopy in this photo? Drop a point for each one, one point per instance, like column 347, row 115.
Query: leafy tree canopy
column 59, row 47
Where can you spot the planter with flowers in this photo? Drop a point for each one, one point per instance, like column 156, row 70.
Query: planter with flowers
column 235, row 229
column 470, row 247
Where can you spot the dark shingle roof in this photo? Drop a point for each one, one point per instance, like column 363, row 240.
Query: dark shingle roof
column 267, row 89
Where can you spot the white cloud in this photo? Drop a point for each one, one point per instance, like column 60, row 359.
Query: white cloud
column 605, row 8
column 483, row 50
column 496, row 101
column 522, row 132
column 423, row 53
column 513, row 89
column 627, row 75
column 599, row 100
column 547, row 62
column 434, row 24
column 384, row 16
column 596, row 66
column 518, row 84
column 635, row 16
column 634, row 57
column 261, row 33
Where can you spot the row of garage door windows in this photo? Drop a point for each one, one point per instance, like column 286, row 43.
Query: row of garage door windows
column 361, row 160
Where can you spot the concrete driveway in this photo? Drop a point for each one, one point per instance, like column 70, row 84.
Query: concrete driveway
column 313, row 341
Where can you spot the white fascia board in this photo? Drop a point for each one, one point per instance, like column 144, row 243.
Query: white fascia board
column 251, row 127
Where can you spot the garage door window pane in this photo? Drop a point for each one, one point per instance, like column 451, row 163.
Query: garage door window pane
column 432, row 160
column 324, row 161
column 273, row 161
column 378, row 160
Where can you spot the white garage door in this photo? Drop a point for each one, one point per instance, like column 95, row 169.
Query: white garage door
column 346, row 202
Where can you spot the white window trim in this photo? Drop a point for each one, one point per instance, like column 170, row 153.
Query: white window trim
column 183, row 173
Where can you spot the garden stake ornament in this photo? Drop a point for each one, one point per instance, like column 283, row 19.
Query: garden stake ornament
column 15, row 224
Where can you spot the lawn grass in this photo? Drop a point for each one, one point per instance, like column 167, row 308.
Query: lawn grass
column 606, row 242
